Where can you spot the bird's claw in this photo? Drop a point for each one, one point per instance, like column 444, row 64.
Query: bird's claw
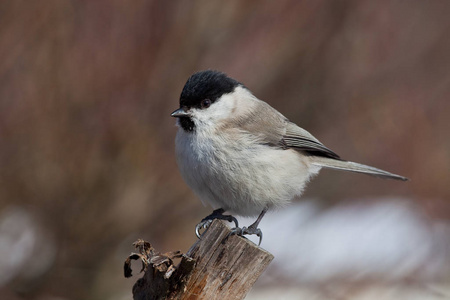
column 247, row 231
column 206, row 222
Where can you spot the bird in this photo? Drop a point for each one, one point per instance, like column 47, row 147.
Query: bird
column 240, row 155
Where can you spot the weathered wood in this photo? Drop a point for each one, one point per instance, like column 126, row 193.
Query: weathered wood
column 217, row 266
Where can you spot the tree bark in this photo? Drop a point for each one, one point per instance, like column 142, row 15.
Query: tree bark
column 217, row 266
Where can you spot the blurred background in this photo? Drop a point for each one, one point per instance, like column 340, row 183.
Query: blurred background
column 87, row 141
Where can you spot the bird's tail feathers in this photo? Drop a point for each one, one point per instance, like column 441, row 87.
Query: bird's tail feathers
column 354, row 167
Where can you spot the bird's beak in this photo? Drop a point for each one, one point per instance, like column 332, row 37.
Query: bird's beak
column 179, row 113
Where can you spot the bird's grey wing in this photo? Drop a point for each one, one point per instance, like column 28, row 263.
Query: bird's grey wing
column 272, row 128
column 300, row 139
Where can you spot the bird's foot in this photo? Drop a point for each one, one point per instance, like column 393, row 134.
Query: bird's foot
column 217, row 214
column 247, row 231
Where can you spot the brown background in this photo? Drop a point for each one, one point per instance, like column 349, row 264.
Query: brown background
column 87, row 141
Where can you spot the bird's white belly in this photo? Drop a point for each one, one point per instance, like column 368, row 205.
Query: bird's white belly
column 242, row 177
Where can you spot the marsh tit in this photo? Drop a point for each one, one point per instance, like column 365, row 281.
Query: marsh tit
column 242, row 156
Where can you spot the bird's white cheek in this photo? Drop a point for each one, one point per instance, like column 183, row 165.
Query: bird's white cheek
column 220, row 110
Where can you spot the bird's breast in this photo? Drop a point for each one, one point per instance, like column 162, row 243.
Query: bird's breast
column 237, row 174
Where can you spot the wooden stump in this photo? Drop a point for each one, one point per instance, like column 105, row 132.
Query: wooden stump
column 215, row 267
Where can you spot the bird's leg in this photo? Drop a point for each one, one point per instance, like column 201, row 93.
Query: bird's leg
column 216, row 214
column 252, row 229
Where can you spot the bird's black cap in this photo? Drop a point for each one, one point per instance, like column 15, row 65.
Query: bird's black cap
column 206, row 85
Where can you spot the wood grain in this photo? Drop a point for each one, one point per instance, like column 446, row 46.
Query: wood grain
column 217, row 266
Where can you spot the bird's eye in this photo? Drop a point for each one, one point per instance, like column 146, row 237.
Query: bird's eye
column 205, row 103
